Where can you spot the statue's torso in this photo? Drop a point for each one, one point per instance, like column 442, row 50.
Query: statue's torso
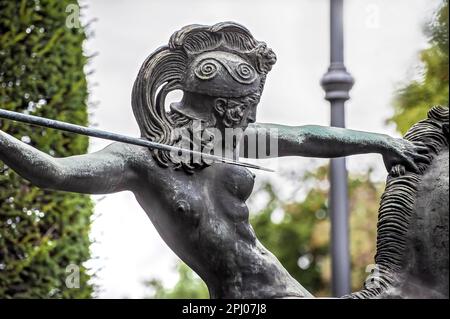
column 204, row 219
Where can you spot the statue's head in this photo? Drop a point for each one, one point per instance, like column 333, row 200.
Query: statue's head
column 220, row 69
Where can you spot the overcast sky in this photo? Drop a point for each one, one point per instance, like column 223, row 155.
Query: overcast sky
column 382, row 41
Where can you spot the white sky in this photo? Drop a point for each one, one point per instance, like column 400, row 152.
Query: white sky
column 382, row 41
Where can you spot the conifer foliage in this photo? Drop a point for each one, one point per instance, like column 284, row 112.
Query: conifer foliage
column 44, row 235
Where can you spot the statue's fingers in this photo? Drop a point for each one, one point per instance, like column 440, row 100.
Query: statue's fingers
column 397, row 170
column 387, row 164
column 412, row 166
column 421, row 149
column 422, row 158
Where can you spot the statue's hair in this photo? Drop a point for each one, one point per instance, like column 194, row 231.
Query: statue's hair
column 164, row 69
column 397, row 204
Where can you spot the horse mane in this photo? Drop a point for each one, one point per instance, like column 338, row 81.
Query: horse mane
column 397, row 205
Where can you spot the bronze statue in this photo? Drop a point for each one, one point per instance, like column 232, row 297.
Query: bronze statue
column 199, row 207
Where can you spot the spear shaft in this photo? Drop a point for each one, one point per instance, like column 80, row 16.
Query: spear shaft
column 78, row 129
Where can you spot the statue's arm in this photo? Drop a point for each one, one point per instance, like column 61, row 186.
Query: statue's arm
column 102, row 172
column 330, row 142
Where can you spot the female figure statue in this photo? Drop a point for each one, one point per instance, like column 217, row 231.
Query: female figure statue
column 199, row 208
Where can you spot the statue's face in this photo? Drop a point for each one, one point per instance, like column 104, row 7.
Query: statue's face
column 220, row 112
column 224, row 86
column 236, row 112
column 251, row 113
column 223, row 119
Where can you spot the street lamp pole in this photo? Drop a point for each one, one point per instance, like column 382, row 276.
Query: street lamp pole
column 337, row 83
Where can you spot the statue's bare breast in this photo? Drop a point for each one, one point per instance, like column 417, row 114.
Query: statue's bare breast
column 204, row 219
column 189, row 209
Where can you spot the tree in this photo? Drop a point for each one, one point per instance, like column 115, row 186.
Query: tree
column 415, row 98
column 42, row 73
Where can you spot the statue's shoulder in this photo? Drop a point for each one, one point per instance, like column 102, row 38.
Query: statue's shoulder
column 134, row 156
column 138, row 157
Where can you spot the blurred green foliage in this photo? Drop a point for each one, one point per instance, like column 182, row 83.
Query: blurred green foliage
column 189, row 285
column 301, row 239
column 42, row 73
column 415, row 98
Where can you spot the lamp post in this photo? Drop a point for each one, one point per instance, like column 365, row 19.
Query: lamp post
column 337, row 83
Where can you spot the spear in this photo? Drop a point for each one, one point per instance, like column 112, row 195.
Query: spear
column 78, row 129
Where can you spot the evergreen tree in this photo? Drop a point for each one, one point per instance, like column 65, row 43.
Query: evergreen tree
column 42, row 232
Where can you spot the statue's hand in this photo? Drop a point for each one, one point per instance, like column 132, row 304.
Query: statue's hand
column 401, row 155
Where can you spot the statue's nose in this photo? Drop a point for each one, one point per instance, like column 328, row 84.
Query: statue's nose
column 251, row 118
